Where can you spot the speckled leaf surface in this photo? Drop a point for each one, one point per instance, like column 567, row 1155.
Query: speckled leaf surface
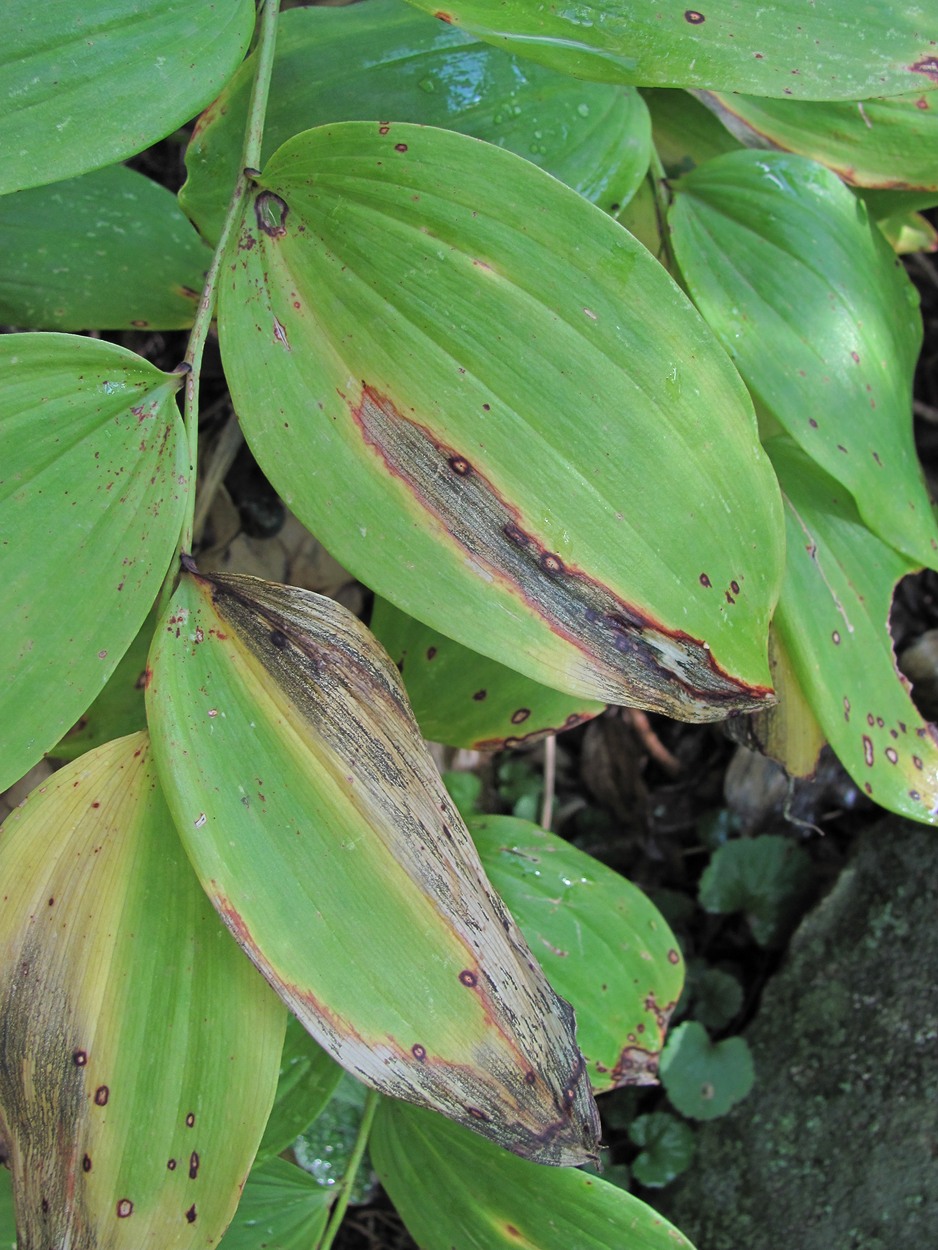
column 82, row 86
column 94, row 478
column 323, row 834
column 454, row 1191
column 385, row 59
column 111, row 250
column 465, row 699
column 605, row 946
column 506, row 435
column 133, row 1091
column 833, row 618
column 821, row 319
column 827, row 52
column 891, row 143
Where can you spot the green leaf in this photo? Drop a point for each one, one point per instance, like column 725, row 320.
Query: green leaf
column 383, row 59
column 822, row 322
column 423, row 367
column 668, row 1148
column 465, row 789
column 870, row 143
column 87, row 85
column 465, row 699
column 717, row 997
column 833, row 619
column 453, row 1190
column 603, row 944
column 281, row 1209
column 95, row 475
column 789, row 732
column 7, row 1214
column 132, row 1096
column 308, row 1079
column 704, row 1079
column 308, row 804
column 774, row 49
column 110, row 250
column 684, row 131
column 767, row 877
column 326, row 1148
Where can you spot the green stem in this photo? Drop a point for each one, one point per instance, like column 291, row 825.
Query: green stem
column 348, row 1180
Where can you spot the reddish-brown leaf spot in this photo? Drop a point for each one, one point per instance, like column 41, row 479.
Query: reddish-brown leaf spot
column 928, row 66
column 171, row 1164
column 468, row 978
column 520, row 716
column 692, row 16
column 124, row 1208
column 190, row 1214
column 190, row 1120
column 868, row 751
column 705, row 581
column 418, row 1052
column 101, row 1095
column 79, row 1058
column 86, row 1163
column 400, row 147
column 193, row 1166
column 480, row 695
column 460, row 465
column 271, row 214
column 674, row 957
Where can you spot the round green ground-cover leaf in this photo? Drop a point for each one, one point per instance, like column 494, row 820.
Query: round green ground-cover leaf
column 452, row 1190
column 603, row 944
column 308, row 1078
column 94, row 478
column 323, row 834
column 82, row 86
column 833, row 619
column 767, row 878
column 507, row 434
column 704, row 1079
column 138, row 1058
column 465, row 699
column 111, row 250
column 282, row 1208
column 889, row 143
column 826, row 53
column 821, row 320
column 385, row 60
column 667, row 1148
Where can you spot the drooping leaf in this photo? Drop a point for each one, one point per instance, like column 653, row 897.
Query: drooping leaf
column 703, row 1078
column 455, row 1190
column 891, row 143
column 821, row 319
column 768, row 878
column 778, row 49
column 833, row 619
column 109, row 251
column 309, row 805
column 384, row 59
column 667, row 1148
column 424, row 368
column 94, row 478
column 603, row 944
column 465, row 699
column 282, row 1208
column 86, row 85
column 133, row 1092
column 308, row 1078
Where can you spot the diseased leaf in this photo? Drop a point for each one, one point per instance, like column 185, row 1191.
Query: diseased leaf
column 110, row 251
column 828, row 52
column 282, row 1208
column 821, row 319
column 94, row 477
column 423, row 367
column 83, row 86
column 454, row 1190
column 384, row 59
column 132, row 1096
column 308, row 1078
column 309, row 805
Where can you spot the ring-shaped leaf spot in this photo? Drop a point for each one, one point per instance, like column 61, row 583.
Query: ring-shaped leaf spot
column 139, row 1051
column 308, row 1078
column 604, row 945
column 309, row 805
column 833, row 620
column 111, row 250
column 93, row 481
column 821, row 320
column 703, row 1078
column 87, row 85
column 282, row 1208
column 507, row 437
column 384, row 59
column 777, row 49
column 452, row 1189
column 888, row 143
column 464, row 699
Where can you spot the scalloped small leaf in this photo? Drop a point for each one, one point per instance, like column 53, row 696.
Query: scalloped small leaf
column 702, row 1078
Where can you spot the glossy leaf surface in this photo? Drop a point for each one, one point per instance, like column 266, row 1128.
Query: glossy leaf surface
column 890, row 143
column 94, row 476
column 423, row 368
column 465, row 699
column 109, row 251
column 132, row 1096
column 833, row 619
column 384, row 59
column 821, row 319
column 829, row 52
column 84, row 86
column 603, row 944
column 308, row 1078
column 282, row 1208
column 309, row 806
column 455, row 1192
